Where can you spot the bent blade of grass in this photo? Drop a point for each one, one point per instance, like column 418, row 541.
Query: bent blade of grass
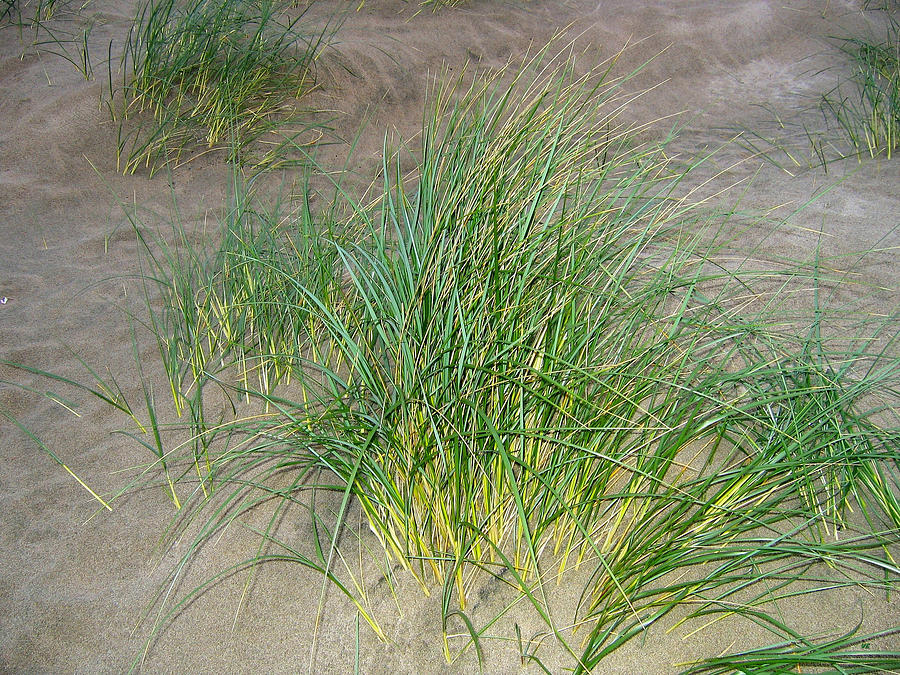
column 848, row 653
column 43, row 446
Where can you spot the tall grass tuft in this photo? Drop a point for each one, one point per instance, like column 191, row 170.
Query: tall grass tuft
column 869, row 114
column 532, row 354
column 217, row 73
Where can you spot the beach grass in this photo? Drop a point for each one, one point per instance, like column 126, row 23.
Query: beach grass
column 843, row 654
column 53, row 27
column 528, row 358
column 42, row 10
column 212, row 74
column 535, row 357
column 860, row 111
column 437, row 4
column 868, row 110
column 885, row 5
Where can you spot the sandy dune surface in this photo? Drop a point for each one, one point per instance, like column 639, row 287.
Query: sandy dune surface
column 74, row 581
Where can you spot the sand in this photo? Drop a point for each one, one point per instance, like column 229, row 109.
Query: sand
column 74, row 581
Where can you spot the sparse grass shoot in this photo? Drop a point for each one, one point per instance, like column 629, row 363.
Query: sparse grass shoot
column 50, row 30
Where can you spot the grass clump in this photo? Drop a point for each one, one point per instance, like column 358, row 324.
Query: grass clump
column 532, row 355
column 870, row 114
column 218, row 73
column 863, row 108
